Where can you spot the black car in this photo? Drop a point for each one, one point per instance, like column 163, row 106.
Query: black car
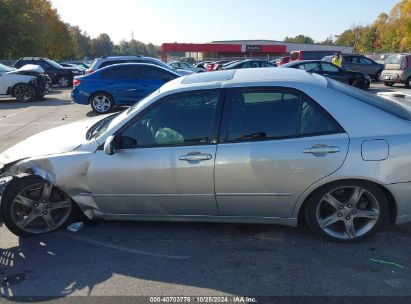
column 360, row 63
column 249, row 63
column 356, row 79
column 59, row 74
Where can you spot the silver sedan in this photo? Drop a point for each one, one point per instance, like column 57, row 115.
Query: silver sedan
column 275, row 146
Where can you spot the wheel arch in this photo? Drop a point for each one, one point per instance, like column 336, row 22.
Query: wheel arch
column 304, row 198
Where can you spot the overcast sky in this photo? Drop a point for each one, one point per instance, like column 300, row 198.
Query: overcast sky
column 197, row 21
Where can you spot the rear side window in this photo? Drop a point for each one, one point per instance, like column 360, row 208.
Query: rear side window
column 262, row 114
column 395, row 108
column 121, row 72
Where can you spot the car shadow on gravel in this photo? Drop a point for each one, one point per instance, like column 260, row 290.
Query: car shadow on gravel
column 129, row 258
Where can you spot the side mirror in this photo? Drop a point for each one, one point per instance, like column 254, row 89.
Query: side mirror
column 110, row 145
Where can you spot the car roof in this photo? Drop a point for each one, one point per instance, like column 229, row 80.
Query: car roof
column 254, row 75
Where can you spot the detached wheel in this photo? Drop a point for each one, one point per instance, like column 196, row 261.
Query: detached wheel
column 102, row 103
column 64, row 82
column 388, row 84
column 24, row 92
column 32, row 206
column 346, row 211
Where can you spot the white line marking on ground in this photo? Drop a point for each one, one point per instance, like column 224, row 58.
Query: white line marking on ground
column 18, row 112
column 122, row 248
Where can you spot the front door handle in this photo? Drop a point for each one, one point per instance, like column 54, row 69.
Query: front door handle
column 321, row 149
column 196, row 156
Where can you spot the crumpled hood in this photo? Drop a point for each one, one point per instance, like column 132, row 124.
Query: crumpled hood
column 54, row 141
column 29, row 68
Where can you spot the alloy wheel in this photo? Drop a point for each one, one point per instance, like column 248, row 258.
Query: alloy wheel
column 63, row 82
column 101, row 103
column 348, row 212
column 40, row 208
column 23, row 92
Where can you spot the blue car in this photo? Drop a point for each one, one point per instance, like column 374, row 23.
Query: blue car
column 119, row 85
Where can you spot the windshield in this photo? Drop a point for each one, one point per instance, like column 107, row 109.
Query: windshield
column 4, row 68
column 54, row 64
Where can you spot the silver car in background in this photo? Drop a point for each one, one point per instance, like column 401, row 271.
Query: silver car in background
column 275, row 146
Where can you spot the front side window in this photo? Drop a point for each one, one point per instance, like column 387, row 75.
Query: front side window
column 177, row 120
column 273, row 114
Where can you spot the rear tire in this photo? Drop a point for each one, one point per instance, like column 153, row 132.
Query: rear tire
column 347, row 211
column 388, row 84
column 102, row 103
column 408, row 83
column 64, row 81
column 32, row 206
column 24, row 92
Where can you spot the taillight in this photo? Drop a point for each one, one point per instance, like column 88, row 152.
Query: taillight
column 90, row 71
column 76, row 82
column 405, row 63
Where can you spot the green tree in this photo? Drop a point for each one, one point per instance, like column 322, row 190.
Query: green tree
column 103, row 46
column 299, row 39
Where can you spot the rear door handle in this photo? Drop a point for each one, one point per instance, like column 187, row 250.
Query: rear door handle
column 195, row 156
column 321, row 149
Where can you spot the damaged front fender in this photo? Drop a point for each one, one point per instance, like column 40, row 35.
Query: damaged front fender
column 67, row 171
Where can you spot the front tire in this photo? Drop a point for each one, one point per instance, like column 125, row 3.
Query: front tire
column 346, row 211
column 101, row 103
column 32, row 206
column 24, row 92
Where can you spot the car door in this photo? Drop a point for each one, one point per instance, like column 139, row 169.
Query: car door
column 274, row 143
column 121, row 83
column 164, row 161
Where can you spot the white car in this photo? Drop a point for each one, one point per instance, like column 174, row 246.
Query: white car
column 186, row 66
column 25, row 84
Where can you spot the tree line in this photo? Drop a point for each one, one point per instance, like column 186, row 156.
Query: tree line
column 389, row 33
column 34, row 28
